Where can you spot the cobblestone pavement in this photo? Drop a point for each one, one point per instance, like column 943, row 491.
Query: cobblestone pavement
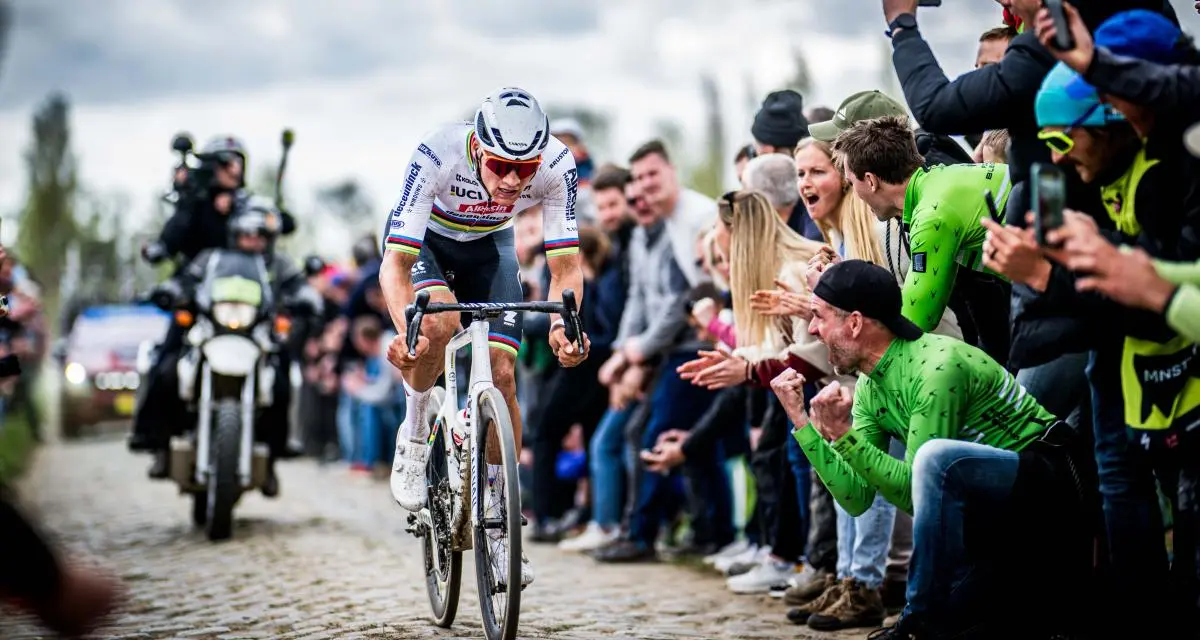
column 330, row 559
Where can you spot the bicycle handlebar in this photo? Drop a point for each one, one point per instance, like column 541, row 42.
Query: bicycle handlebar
column 415, row 313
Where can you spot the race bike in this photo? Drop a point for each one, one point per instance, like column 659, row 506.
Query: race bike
column 456, row 517
column 227, row 374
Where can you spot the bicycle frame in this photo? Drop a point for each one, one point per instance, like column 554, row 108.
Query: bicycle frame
column 476, row 337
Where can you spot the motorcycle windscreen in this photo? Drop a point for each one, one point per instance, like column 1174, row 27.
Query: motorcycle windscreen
column 237, row 277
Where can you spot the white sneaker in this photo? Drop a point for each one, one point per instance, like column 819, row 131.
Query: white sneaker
column 751, row 554
column 762, row 578
column 499, row 556
column 408, row 473
column 593, row 537
column 731, row 549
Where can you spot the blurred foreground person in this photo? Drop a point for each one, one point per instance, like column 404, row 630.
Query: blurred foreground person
column 68, row 598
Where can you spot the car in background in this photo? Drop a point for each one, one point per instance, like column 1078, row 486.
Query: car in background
column 99, row 360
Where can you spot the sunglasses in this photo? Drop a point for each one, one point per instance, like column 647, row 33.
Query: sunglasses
column 1061, row 142
column 503, row 166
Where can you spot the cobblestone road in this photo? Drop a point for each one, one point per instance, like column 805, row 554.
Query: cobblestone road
column 329, row 559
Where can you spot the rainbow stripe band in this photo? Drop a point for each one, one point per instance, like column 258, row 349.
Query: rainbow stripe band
column 432, row 284
column 403, row 244
column 563, row 247
column 504, row 343
column 451, row 221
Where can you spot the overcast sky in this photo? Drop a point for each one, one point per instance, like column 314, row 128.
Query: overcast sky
column 361, row 80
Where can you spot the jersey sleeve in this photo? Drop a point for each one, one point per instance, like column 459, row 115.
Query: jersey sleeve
column 849, row 486
column 939, row 406
column 560, row 230
column 410, row 215
column 933, row 243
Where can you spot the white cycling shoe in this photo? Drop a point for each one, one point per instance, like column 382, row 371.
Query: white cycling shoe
column 408, row 473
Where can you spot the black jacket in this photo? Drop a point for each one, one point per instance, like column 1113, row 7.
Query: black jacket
column 196, row 225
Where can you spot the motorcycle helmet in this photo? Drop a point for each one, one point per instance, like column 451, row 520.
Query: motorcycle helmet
column 223, row 150
column 256, row 216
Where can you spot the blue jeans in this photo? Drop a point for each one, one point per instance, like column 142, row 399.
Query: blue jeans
column 947, row 476
column 863, row 541
column 1132, row 517
column 675, row 404
column 606, row 458
column 347, row 426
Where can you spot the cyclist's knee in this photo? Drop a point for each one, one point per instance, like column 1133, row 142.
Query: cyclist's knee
column 439, row 329
column 504, row 367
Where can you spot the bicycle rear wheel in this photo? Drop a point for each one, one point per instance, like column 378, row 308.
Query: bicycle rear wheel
column 443, row 566
column 498, row 533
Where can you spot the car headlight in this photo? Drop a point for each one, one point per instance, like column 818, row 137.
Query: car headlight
column 75, row 373
column 234, row 315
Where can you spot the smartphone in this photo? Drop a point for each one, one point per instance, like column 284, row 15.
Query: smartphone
column 929, row 3
column 1063, row 40
column 993, row 210
column 1048, row 196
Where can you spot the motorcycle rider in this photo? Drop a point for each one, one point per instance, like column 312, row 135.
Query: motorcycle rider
column 253, row 228
column 207, row 195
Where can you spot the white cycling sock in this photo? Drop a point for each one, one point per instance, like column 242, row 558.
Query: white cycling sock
column 414, row 427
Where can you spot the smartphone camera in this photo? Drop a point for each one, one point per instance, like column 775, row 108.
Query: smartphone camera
column 1049, row 198
column 1063, row 40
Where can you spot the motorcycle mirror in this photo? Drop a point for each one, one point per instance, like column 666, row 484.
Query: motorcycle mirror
column 182, row 143
column 289, row 137
column 313, row 265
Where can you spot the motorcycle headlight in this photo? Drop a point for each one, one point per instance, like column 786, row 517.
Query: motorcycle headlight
column 234, row 315
column 75, row 373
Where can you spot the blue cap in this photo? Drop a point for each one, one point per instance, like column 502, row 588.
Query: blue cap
column 1141, row 34
column 1064, row 101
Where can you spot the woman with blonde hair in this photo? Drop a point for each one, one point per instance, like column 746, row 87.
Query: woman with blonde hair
column 762, row 252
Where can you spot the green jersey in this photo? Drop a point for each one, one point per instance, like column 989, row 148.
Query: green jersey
column 934, row 387
column 942, row 208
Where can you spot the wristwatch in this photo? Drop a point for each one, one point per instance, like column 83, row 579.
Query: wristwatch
column 902, row 21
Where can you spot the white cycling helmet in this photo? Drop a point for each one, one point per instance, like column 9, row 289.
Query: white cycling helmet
column 511, row 124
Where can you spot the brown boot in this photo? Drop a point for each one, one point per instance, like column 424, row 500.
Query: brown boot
column 807, row 591
column 859, row 606
column 828, row 597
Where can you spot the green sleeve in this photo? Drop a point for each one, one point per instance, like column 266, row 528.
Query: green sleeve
column 933, row 246
column 939, row 408
column 849, row 488
column 1178, row 272
column 1183, row 314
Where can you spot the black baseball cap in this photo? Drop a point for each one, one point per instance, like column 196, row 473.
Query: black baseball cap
column 858, row 285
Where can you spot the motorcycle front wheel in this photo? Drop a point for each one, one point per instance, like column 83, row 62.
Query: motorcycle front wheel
column 223, row 482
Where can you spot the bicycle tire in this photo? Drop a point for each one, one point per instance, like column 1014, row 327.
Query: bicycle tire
column 443, row 566
column 491, row 412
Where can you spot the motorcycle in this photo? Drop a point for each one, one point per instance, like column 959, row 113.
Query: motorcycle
column 227, row 374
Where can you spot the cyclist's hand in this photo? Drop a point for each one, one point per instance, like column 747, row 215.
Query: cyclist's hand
column 568, row 353
column 398, row 352
column 789, row 388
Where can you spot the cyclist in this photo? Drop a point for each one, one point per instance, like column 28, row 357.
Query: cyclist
column 465, row 183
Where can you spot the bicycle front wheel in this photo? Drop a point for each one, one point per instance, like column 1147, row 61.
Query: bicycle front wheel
column 498, row 514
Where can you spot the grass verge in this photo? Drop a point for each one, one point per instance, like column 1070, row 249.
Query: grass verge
column 16, row 444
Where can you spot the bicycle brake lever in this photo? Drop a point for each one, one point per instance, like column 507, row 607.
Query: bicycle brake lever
column 571, row 321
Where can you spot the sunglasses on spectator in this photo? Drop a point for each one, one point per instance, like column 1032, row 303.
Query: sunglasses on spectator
column 1061, row 142
column 503, row 166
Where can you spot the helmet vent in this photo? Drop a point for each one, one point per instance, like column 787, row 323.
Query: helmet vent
column 482, row 131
